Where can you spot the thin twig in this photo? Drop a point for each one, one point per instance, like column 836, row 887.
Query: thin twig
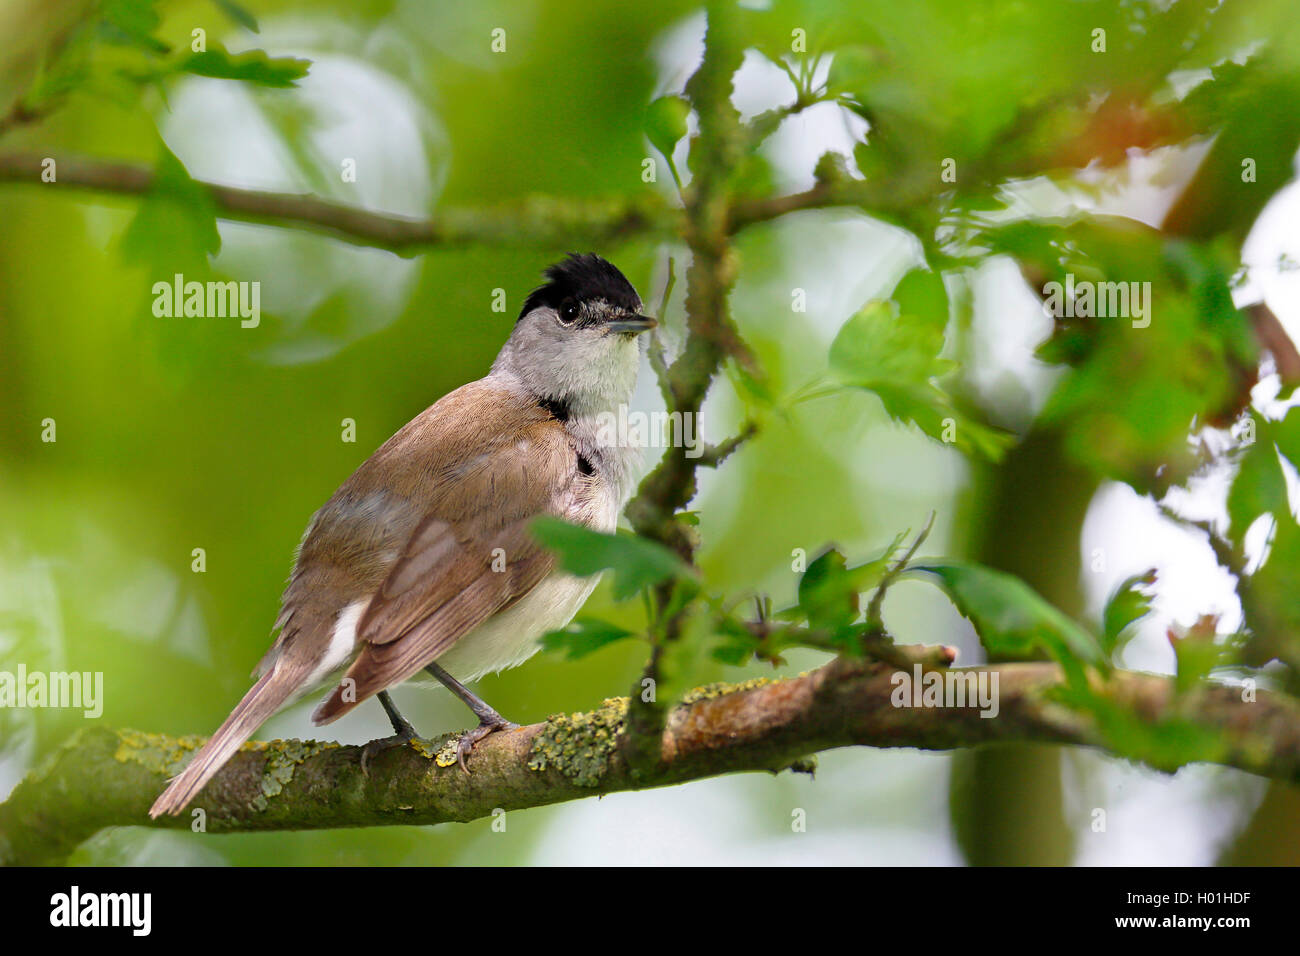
column 891, row 575
column 1271, row 335
column 20, row 114
column 715, row 455
column 655, row 350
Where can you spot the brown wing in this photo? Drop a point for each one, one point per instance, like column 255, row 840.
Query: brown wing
column 470, row 557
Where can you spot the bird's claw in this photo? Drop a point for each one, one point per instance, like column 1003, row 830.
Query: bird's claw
column 375, row 747
column 469, row 740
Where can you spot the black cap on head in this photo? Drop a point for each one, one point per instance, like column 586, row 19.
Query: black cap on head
column 582, row 277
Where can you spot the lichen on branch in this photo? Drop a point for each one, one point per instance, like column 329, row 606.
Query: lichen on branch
column 106, row 778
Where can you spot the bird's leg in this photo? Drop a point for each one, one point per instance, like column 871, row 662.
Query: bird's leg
column 488, row 719
column 401, row 726
column 403, row 732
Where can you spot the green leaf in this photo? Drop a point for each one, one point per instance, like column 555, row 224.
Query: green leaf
column 132, row 23
column 878, row 347
column 1268, row 599
column 583, row 636
column 737, row 644
column 1012, row 619
column 1259, row 488
column 853, row 69
column 1197, row 652
column 665, row 123
column 1253, row 120
column 637, row 562
column 251, row 67
column 1136, row 390
column 1287, row 435
column 824, row 595
column 1167, row 743
column 921, row 293
column 829, row 590
column 176, row 224
column 870, row 161
column 896, row 356
column 754, row 391
column 1130, row 602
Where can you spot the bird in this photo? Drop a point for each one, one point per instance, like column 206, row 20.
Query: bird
column 422, row 562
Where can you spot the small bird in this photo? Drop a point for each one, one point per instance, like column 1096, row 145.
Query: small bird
column 423, row 560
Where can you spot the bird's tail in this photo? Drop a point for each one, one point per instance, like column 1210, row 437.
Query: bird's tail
column 264, row 698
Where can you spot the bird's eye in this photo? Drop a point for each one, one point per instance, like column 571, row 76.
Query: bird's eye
column 568, row 311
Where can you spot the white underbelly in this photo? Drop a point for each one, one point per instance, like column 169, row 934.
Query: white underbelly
column 511, row 637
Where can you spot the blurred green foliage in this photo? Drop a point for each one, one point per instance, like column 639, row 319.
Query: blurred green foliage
column 182, row 434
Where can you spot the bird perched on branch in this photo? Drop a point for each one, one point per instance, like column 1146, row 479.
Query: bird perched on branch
column 422, row 561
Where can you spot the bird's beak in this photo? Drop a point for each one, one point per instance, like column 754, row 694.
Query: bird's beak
column 632, row 324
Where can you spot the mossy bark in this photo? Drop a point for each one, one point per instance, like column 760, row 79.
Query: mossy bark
column 103, row 778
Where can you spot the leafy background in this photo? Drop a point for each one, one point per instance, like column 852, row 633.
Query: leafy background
column 175, row 434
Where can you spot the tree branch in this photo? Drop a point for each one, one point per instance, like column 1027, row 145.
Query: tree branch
column 104, row 778
column 20, row 114
column 1273, row 336
column 532, row 221
column 538, row 220
column 711, row 337
column 886, row 199
column 714, row 455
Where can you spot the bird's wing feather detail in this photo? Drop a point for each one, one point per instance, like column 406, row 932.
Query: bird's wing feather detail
column 470, row 557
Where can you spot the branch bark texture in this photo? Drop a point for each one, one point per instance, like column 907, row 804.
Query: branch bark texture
column 103, row 778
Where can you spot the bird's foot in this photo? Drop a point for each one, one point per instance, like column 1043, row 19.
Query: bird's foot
column 402, row 738
column 469, row 740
